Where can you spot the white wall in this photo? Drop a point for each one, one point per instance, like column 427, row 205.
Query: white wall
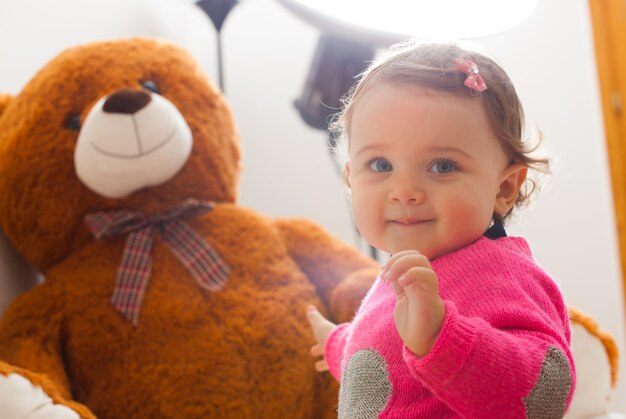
column 267, row 52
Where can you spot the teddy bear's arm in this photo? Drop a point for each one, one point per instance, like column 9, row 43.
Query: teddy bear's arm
column 341, row 274
column 30, row 335
column 25, row 394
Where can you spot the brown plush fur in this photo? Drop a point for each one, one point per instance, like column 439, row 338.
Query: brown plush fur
column 4, row 101
column 241, row 352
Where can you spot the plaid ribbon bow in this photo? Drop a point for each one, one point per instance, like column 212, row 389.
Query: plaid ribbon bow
column 133, row 274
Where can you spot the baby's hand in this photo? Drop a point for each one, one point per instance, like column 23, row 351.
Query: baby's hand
column 321, row 329
column 419, row 311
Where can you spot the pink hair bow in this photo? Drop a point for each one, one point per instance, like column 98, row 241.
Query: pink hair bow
column 474, row 80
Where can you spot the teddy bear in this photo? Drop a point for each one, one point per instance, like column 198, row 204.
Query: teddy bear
column 162, row 297
column 596, row 359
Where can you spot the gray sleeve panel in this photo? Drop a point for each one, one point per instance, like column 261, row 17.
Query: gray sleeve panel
column 549, row 396
column 365, row 386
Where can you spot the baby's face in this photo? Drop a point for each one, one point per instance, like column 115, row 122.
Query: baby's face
column 425, row 169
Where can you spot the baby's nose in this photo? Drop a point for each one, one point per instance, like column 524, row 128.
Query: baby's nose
column 407, row 194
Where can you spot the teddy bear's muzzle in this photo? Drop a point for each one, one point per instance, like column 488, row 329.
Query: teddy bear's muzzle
column 130, row 140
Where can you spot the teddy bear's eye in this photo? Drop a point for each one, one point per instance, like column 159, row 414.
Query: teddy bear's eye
column 150, row 85
column 73, row 122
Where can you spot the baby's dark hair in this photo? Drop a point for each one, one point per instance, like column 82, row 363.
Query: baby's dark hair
column 431, row 65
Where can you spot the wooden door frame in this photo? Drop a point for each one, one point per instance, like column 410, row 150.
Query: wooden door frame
column 609, row 33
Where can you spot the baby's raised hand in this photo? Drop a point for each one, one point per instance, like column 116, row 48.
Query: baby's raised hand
column 321, row 329
column 419, row 311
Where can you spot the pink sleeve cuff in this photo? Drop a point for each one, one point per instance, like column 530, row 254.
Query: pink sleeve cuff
column 333, row 351
column 449, row 352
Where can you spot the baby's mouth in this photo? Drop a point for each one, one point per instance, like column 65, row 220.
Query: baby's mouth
column 410, row 221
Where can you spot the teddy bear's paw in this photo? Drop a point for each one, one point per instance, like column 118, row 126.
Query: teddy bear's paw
column 19, row 398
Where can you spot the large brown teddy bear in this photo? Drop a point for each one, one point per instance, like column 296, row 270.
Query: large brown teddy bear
column 119, row 165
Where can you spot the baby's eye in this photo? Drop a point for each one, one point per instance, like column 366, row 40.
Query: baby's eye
column 443, row 166
column 380, row 165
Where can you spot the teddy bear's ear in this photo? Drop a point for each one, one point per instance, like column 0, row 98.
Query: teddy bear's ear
column 5, row 99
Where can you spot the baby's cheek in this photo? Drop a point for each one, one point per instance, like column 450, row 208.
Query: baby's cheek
column 470, row 209
column 367, row 217
column 466, row 220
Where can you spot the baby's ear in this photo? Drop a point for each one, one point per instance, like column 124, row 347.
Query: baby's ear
column 346, row 175
column 5, row 99
column 511, row 181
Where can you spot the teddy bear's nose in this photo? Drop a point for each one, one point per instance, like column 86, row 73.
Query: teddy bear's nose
column 126, row 101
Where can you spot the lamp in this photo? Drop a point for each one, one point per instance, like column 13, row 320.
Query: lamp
column 218, row 11
column 352, row 30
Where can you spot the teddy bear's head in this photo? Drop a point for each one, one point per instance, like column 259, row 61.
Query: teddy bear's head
column 131, row 124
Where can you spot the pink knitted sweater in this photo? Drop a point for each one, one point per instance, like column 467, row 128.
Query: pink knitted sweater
column 503, row 350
